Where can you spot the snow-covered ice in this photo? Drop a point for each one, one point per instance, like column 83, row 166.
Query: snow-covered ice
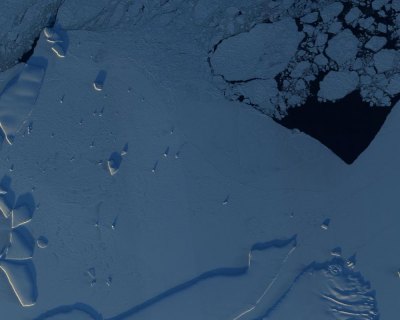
column 216, row 211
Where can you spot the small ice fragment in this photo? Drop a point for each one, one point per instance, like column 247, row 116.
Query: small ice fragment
column 154, row 167
column 124, row 151
column 91, row 273
column 97, row 86
column 351, row 262
column 166, row 152
column 112, row 167
column 114, row 162
column 54, row 38
column 58, row 50
column 51, row 35
column 42, row 242
column 98, row 83
column 109, row 281
column 336, row 252
column 113, row 225
column 226, row 201
column 48, row 32
column 325, row 224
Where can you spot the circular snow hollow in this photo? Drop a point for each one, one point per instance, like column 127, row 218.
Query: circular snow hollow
column 42, row 242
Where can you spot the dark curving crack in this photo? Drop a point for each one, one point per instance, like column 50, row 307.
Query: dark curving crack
column 28, row 53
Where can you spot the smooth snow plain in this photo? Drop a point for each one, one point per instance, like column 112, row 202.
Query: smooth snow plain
column 132, row 188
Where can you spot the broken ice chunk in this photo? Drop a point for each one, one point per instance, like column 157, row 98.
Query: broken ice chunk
column 352, row 15
column 21, row 215
column 114, row 162
column 382, row 28
column 310, row 17
column 336, row 252
column 385, row 60
column 98, row 83
column 124, row 151
column 22, row 245
column 331, row 11
column 22, row 278
column 325, row 224
column 376, row 43
column 52, row 36
column 343, row 47
column 394, row 84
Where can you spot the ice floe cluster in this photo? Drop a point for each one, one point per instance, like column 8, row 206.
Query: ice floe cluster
column 340, row 47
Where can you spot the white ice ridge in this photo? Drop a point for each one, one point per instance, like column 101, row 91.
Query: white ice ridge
column 18, row 99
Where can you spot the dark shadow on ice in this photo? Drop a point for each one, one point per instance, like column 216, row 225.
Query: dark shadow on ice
column 63, row 34
column 84, row 308
column 28, row 54
column 214, row 273
column 99, row 81
column 27, row 200
column 26, row 236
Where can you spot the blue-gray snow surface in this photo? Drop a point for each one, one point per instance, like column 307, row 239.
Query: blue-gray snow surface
column 145, row 173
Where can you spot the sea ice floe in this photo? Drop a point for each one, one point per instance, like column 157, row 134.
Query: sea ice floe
column 343, row 47
column 376, row 43
column 338, row 84
column 385, row 60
